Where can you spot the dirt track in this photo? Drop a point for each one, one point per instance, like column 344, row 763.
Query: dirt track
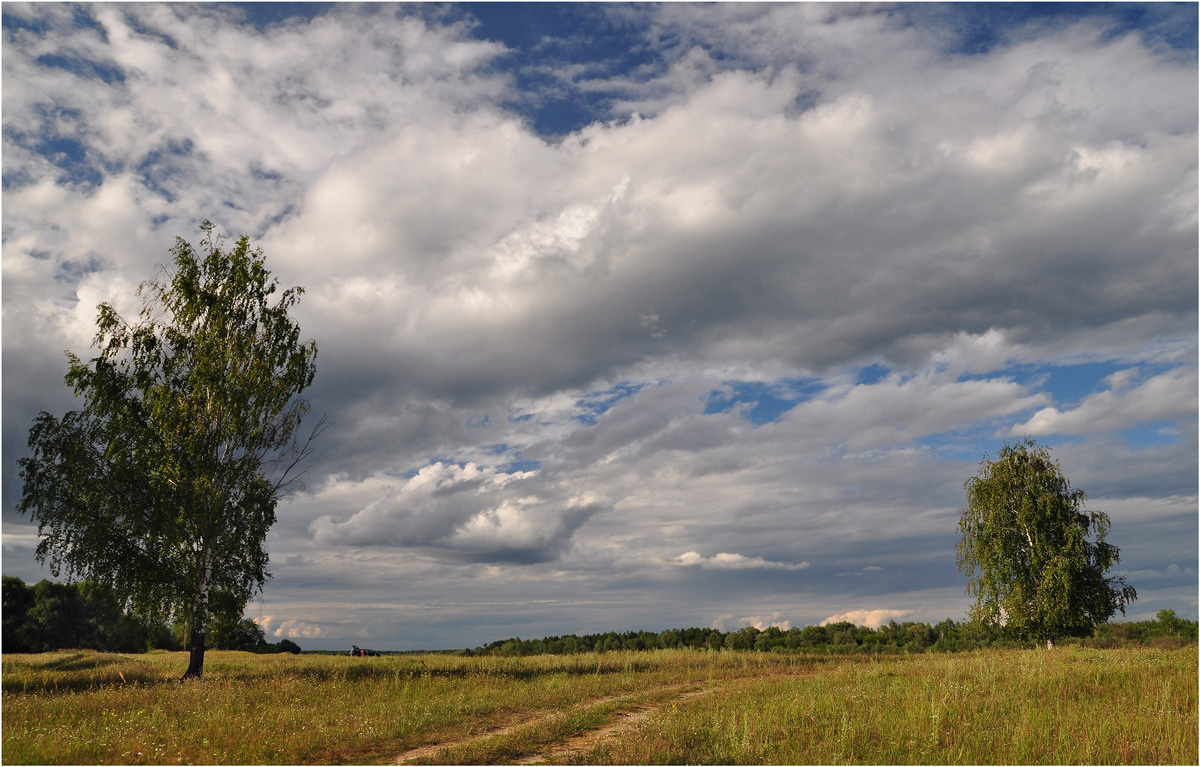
column 628, row 714
column 627, row 719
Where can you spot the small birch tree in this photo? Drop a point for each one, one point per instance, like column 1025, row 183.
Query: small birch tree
column 1025, row 548
column 165, row 484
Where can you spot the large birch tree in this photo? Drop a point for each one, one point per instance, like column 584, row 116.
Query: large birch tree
column 1025, row 546
column 165, row 483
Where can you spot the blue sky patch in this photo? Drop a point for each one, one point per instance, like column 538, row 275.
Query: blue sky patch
column 1069, row 385
column 264, row 15
column 63, row 151
column 73, row 271
column 543, row 38
column 1151, row 434
column 770, row 400
column 79, row 18
column 873, row 374
column 597, row 404
column 84, row 68
column 520, row 464
column 973, row 33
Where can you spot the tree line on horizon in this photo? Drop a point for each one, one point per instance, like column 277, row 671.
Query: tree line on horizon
column 88, row 615
column 838, row 638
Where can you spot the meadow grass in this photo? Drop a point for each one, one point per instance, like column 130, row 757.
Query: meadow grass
column 1074, row 705
column 1069, row 706
column 93, row 708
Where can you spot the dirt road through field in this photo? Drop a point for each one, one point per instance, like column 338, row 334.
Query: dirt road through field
column 625, row 711
column 626, row 721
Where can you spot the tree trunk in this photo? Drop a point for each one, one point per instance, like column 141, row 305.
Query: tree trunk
column 199, row 621
column 196, row 659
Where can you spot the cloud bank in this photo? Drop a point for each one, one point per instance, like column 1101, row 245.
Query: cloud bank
column 775, row 283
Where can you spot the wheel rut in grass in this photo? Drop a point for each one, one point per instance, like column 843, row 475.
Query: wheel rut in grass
column 626, row 720
column 628, row 716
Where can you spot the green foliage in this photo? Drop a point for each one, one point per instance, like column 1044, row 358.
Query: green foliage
column 836, row 638
column 226, row 634
column 288, row 646
column 51, row 616
column 18, row 599
column 164, row 486
column 1025, row 548
column 1166, row 626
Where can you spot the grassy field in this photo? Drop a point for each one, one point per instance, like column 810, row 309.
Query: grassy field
column 1070, row 706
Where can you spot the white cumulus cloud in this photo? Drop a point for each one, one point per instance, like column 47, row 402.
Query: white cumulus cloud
column 467, row 512
column 869, row 618
column 1167, row 397
column 728, row 623
column 725, row 561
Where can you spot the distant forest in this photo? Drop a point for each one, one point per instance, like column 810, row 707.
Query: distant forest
column 51, row 616
column 947, row 636
column 87, row 615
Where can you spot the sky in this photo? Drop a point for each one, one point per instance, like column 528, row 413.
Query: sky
column 636, row 317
